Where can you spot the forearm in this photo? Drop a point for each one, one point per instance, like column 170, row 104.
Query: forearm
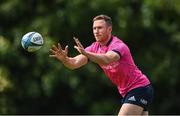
column 98, row 58
column 75, row 62
column 69, row 63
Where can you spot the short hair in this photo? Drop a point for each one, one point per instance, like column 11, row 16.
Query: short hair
column 106, row 18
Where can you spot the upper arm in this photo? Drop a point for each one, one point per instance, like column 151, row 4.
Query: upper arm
column 117, row 51
column 113, row 56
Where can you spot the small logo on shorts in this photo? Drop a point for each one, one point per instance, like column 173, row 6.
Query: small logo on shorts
column 143, row 101
column 132, row 98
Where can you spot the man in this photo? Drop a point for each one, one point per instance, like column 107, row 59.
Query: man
column 114, row 57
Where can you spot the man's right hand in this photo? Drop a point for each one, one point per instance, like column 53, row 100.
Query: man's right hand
column 59, row 53
column 69, row 62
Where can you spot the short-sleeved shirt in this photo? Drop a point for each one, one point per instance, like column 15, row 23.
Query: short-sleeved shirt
column 123, row 73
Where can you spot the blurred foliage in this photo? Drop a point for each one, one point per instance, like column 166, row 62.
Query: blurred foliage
column 33, row 83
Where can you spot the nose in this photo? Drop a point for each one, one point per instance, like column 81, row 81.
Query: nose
column 96, row 31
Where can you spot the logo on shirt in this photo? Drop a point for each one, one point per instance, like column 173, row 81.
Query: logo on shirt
column 143, row 101
column 110, row 66
column 132, row 98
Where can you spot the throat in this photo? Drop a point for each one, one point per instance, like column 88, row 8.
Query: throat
column 107, row 42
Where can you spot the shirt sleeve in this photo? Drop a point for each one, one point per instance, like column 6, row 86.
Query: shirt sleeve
column 117, row 52
column 92, row 48
column 120, row 48
column 88, row 49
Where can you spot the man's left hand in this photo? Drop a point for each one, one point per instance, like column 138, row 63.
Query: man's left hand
column 79, row 46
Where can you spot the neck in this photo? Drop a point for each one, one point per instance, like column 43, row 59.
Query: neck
column 105, row 42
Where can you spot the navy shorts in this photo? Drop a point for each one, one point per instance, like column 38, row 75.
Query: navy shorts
column 141, row 96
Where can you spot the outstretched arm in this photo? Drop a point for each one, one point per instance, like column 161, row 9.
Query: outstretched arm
column 102, row 59
column 69, row 62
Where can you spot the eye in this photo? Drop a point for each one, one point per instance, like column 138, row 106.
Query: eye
column 99, row 27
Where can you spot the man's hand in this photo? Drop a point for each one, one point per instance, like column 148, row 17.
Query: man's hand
column 59, row 53
column 79, row 46
column 69, row 62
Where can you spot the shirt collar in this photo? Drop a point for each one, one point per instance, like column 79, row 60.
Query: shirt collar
column 110, row 40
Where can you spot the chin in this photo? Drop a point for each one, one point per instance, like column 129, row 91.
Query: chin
column 98, row 40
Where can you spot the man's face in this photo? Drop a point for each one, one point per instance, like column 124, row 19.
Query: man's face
column 101, row 31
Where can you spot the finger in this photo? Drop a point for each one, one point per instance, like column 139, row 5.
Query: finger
column 52, row 56
column 77, row 48
column 75, row 39
column 52, row 51
column 66, row 49
column 54, row 48
column 78, row 42
column 59, row 46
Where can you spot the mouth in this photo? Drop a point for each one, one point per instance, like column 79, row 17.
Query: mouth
column 97, row 36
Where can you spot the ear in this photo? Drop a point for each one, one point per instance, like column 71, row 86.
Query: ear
column 110, row 29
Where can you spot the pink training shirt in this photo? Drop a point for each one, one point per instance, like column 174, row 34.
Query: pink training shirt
column 123, row 73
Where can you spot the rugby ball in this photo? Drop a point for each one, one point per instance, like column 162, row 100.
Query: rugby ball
column 32, row 41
